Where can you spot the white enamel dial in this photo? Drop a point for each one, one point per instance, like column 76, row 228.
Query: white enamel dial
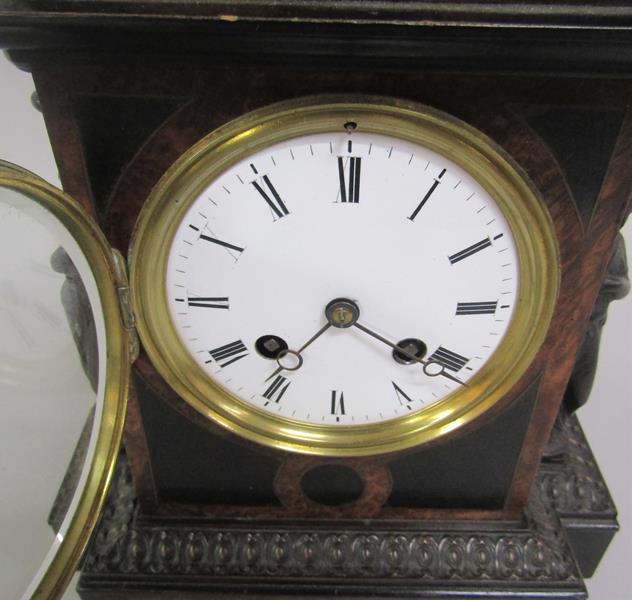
column 404, row 234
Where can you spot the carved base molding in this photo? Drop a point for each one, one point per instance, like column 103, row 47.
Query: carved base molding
column 569, row 522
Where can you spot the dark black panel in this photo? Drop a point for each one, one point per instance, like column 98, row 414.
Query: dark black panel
column 582, row 140
column 589, row 540
column 472, row 471
column 215, row 471
column 113, row 129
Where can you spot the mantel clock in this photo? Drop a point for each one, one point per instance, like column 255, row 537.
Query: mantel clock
column 336, row 248
column 357, row 284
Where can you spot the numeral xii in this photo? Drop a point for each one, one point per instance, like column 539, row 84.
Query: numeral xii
column 349, row 192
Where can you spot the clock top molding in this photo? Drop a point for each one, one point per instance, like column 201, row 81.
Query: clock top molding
column 517, row 37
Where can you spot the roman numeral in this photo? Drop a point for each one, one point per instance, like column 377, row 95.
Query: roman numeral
column 277, row 388
column 447, row 358
column 350, row 192
column 277, row 205
column 476, row 308
column 337, row 404
column 402, row 394
column 229, row 353
column 208, row 302
column 213, row 240
column 425, row 199
column 473, row 249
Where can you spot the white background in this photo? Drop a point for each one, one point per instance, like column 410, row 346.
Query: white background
column 606, row 419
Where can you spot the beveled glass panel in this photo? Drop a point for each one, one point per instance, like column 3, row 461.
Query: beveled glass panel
column 52, row 389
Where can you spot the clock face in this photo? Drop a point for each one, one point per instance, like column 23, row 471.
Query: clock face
column 415, row 245
column 343, row 279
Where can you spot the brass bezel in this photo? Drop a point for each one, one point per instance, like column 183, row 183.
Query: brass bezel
column 54, row 580
column 483, row 159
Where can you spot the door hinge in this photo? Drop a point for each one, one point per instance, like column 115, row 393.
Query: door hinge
column 125, row 303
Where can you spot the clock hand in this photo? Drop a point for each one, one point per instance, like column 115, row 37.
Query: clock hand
column 343, row 313
column 322, row 330
column 410, row 355
column 297, row 353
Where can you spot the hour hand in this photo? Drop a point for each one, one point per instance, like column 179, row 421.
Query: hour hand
column 340, row 313
column 291, row 360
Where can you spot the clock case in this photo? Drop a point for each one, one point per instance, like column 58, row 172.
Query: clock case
column 120, row 109
column 540, row 551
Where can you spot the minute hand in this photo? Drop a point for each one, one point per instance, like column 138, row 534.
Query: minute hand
column 408, row 354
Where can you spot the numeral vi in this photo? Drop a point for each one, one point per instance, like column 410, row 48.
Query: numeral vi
column 337, row 404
